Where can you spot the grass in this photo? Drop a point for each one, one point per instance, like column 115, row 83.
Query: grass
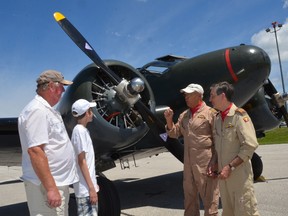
column 275, row 136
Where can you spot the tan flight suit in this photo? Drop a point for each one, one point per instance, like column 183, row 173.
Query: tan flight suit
column 236, row 136
column 198, row 149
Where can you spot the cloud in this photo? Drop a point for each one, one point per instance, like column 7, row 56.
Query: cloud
column 117, row 34
column 267, row 41
column 285, row 4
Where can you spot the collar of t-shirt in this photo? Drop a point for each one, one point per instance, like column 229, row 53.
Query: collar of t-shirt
column 225, row 112
column 195, row 109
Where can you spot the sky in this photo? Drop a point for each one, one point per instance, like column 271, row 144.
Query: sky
column 133, row 31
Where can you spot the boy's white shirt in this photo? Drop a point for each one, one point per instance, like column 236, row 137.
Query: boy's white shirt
column 82, row 142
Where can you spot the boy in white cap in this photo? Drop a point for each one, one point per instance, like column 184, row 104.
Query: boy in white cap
column 195, row 126
column 86, row 189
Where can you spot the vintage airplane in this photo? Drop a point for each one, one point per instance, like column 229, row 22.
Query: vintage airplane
column 128, row 121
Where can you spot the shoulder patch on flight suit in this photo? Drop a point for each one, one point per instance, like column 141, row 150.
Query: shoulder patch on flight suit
column 246, row 119
column 241, row 111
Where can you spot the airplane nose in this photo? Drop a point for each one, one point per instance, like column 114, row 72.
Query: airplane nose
column 249, row 68
column 241, row 59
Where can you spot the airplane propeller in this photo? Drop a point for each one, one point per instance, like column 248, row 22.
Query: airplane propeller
column 277, row 98
column 153, row 122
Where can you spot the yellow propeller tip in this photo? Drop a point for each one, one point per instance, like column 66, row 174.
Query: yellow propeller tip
column 58, row 16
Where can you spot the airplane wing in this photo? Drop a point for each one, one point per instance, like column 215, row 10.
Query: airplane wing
column 10, row 149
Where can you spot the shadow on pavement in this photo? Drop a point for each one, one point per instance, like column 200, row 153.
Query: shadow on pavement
column 163, row 191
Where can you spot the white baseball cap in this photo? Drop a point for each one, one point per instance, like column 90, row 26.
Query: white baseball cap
column 193, row 88
column 80, row 106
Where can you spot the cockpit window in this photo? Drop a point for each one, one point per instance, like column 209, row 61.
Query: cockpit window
column 153, row 69
column 161, row 64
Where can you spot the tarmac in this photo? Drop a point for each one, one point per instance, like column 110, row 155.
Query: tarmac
column 153, row 186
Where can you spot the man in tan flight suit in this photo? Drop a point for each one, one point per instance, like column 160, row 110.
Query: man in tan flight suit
column 235, row 142
column 195, row 125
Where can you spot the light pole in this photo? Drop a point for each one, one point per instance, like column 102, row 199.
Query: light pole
column 276, row 27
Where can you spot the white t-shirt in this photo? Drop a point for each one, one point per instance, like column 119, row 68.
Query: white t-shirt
column 82, row 142
column 39, row 124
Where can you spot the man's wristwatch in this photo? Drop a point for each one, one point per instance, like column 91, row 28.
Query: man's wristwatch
column 231, row 167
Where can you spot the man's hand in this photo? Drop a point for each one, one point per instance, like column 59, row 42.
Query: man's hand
column 212, row 170
column 54, row 198
column 225, row 172
column 41, row 167
column 168, row 114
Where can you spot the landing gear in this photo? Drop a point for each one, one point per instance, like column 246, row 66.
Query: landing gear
column 109, row 201
column 257, row 166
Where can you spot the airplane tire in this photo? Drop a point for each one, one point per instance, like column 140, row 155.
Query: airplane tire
column 109, row 201
column 257, row 166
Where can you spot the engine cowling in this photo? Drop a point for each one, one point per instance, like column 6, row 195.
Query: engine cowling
column 116, row 124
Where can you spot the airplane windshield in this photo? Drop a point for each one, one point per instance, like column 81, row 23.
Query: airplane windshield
column 158, row 70
column 161, row 64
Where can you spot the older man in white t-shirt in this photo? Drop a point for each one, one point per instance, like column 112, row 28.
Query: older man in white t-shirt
column 48, row 159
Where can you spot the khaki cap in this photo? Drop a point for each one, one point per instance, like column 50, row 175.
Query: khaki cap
column 52, row 76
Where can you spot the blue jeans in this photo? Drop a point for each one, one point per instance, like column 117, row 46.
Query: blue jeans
column 85, row 208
